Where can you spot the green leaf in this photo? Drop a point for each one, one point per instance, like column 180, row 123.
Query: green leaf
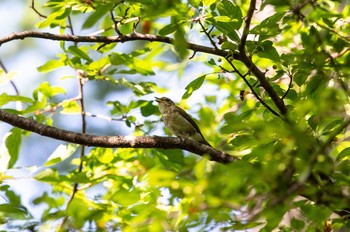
column 229, row 19
column 16, row 211
column 148, row 109
column 344, row 153
column 208, row 2
column 170, row 28
column 228, row 9
column 300, row 77
column 194, row 3
column 130, row 120
column 180, row 43
column 47, row 175
column 79, row 53
column 233, row 122
column 51, row 65
column 225, row 28
column 70, row 107
column 193, row 86
column 313, row 122
column 79, row 177
column 5, row 98
column 160, row 177
column 52, row 201
column 126, row 198
column 79, row 210
column 298, row 225
column 315, row 212
column 172, row 158
column 269, row 27
column 99, row 13
column 317, row 83
column 13, row 144
column 139, row 89
column 9, row 149
column 50, row 91
column 136, row 65
column 61, row 153
column 56, row 18
column 331, row 126
column 275, row 3
column 267, row 50
column 242, row 226
column 104, row 155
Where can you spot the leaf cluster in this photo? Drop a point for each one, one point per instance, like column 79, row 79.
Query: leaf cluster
column 293, row 162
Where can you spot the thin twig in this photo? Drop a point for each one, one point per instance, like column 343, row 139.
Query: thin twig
column 248, row 19
column 11, row 81
column 115, row 22
column 83, row 118
column 36, row 11
column 289, row 86
column 207, row 34
column 70, row 26
column 82, row 148
column 80, row 98
column 252, row 89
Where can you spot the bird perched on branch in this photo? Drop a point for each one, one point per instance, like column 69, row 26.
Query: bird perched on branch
column 179, row 122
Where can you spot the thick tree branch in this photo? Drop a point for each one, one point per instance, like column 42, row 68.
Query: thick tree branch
column 247, row 21
column 116, row 141
column 241, row 56
column 110, row 39
column 264, row 83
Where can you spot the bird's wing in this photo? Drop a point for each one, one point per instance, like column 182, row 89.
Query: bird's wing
column 194, row 124
column 189, row 118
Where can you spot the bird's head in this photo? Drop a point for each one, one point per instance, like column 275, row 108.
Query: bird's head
column 165, row 104
column 164, row 101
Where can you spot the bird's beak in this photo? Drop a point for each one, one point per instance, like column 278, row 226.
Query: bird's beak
column 157, row 99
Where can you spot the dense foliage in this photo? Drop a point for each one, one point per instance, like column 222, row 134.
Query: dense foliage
column 273, row 82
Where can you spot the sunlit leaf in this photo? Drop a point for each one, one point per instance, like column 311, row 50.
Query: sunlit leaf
column 70, row 107
column 49, row 175
column 50, row 66
column 208, row 2
column 148, row 109
column 193, row 86
column 9, row 149
column 50, row 91
column 344, row 153
column 97, row 15
column 180, row 43
column 170, row 28
column 61, row 153
column 79, row 53
column 5, row 98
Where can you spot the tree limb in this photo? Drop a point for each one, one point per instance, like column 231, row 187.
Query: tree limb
column 110, row 39
column 241, row 56
column 116, row 141
column 248, row 19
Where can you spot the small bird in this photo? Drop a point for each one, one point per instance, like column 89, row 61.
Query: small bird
column 179, row 122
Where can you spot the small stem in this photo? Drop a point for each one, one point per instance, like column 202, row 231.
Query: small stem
column 11, row 81
column 252, row 89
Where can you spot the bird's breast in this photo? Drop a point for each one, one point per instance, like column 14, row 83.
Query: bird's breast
column 178, row 125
